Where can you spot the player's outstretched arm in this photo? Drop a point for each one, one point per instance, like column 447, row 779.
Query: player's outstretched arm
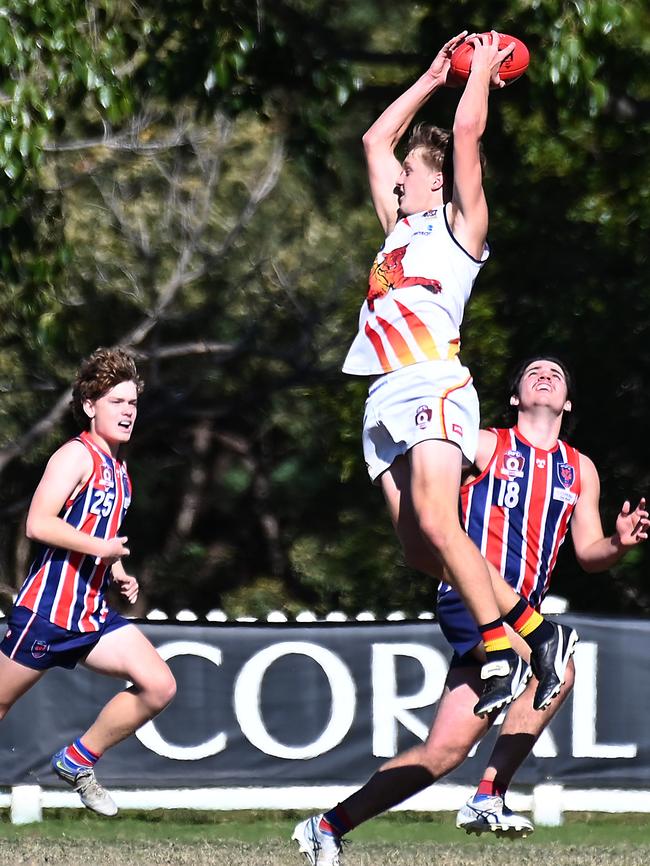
column 382, row 138
column 594, row 551
column 67, row 470
column 469, row 212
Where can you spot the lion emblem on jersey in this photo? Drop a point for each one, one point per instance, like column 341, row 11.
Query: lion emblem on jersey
column 389, row 274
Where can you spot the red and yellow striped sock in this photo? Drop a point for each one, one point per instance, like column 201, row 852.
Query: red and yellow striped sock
column 495, row 641
column 528, row 623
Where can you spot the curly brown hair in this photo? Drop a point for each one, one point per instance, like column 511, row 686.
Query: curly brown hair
column 103, row 370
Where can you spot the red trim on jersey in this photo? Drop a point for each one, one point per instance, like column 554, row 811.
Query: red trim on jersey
column 397, row 342
column 87, row 441
column 421, row 333
column 517, row 432
column 378, row 346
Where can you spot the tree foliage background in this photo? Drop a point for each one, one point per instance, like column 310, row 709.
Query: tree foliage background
column 186, row 179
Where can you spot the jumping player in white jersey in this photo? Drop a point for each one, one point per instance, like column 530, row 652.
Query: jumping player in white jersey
column 421, row 417
column 543, row 469
column 60, row 617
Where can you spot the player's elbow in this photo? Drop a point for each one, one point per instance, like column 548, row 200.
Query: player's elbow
column 36, row 526
column 591, row 566
column 369, row 141
column 467, row 130
column 32, row 525
column 376, row 143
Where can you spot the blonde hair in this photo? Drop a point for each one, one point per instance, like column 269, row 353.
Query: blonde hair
column 432, row 141
column 436, row 146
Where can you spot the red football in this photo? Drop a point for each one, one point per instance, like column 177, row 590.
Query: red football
column 510, row 70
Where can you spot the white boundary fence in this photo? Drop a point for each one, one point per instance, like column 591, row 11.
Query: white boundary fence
column 547, row 803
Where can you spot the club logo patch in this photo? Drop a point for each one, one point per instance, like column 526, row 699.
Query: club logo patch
column 566, row 474
column 513, row 464
column 423, row 416
column 106, row 480
column 40, row 649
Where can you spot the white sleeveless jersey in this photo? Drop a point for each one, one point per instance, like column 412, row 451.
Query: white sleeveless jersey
column 419, row 285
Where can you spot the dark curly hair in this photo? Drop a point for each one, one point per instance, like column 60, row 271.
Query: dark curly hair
column 103, row 370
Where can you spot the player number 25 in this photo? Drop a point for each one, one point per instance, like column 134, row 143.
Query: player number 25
column 102, row 502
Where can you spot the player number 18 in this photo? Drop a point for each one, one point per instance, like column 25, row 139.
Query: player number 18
column 508, row 494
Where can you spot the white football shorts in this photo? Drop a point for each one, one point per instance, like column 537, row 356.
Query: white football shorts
column 429, row 400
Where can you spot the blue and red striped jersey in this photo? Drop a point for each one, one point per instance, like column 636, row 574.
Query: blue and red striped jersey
column 68, row 588
column 517, row 510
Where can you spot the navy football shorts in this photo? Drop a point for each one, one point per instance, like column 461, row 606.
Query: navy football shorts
column 37, row 643
column 459, row 627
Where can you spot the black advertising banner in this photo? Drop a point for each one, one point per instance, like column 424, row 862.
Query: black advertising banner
column 325, row 704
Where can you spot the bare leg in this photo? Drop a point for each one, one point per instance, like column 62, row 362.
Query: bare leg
column 126, row 653
column 15, row 680
column 521, row 730
column 454, row 731
column 421, row 490
column 396, row 484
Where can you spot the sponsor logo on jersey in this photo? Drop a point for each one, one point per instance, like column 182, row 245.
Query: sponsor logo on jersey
column 456, row 428
column 431, row 213
column 540, row 462
column 513, row 464
column 423, row 417
column 39, row 649
column 566, row 474
column 562, row 495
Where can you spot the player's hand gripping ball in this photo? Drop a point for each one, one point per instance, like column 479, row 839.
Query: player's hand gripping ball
column 512, row 68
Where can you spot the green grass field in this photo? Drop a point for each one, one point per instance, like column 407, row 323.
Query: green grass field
column 261, row 839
